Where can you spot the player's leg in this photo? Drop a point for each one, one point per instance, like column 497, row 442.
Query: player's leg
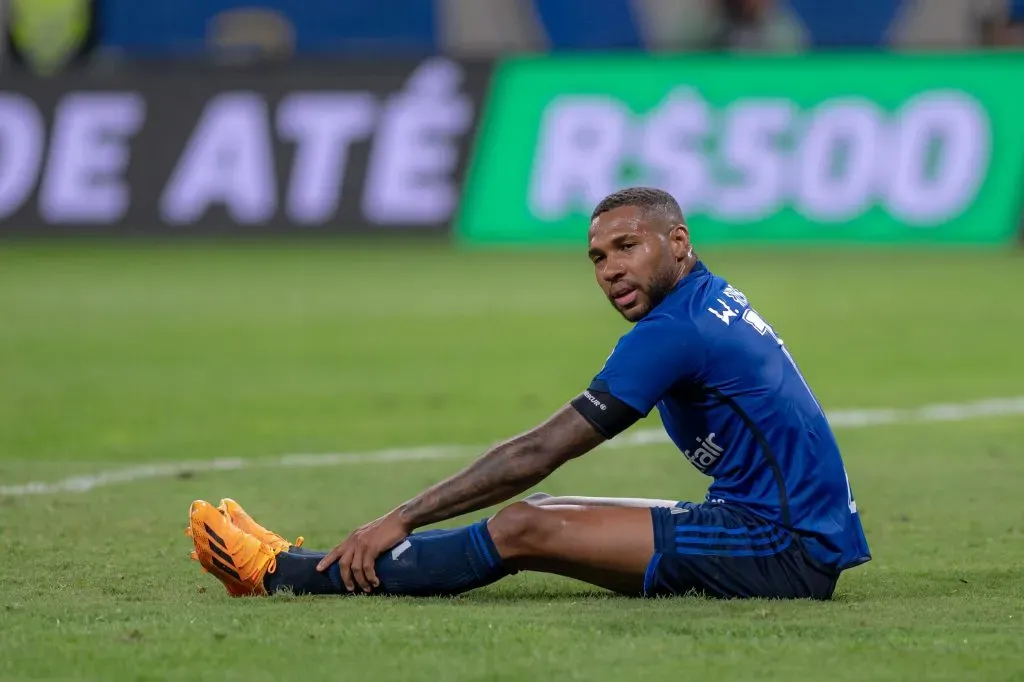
column 720, row 550
column 433, row 562
column 554, row 563
column 606, row 546
column 519, row 529
column 717, row 550
column 713, row 549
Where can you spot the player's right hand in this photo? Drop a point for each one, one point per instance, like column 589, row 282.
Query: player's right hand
column 357, row 554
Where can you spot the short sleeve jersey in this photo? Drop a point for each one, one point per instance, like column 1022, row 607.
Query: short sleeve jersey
column 734, row 402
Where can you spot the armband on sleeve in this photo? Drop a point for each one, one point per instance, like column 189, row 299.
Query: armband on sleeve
column 609, row 415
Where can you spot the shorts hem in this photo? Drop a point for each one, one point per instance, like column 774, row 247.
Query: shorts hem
column 649, row 574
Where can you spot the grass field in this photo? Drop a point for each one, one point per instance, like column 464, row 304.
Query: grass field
column 112, row 357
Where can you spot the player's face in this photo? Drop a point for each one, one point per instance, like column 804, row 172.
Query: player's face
column 634, row 261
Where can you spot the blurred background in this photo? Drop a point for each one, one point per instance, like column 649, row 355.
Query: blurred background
column 506, row 120
column 50, row 33
column 316, row 254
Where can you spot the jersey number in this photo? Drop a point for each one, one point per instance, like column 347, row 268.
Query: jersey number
column 751, row 317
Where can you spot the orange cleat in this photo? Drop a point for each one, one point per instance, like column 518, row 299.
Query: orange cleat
column 247, row 524
column 239, row 560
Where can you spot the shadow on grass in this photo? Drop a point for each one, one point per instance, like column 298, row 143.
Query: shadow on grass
column 509, row 596
column 885, row 587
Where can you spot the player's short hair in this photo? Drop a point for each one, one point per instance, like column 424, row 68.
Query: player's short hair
column 648, row 199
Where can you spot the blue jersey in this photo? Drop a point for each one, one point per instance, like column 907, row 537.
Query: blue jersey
column 734, row 402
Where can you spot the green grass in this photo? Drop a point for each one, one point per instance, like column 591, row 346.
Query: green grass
column 112, row 356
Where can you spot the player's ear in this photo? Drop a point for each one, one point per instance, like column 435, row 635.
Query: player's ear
column 679, row 241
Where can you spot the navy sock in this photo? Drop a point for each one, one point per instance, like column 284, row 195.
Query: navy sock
column 430, row 563
column 304, row 551
column 319, row 554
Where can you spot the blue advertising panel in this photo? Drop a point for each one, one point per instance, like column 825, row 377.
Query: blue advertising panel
column 179, row 27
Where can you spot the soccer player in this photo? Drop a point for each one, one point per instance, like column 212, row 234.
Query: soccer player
column 779, row 519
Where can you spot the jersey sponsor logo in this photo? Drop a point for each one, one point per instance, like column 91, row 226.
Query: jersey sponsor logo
column 761, row 326
column 706, row 454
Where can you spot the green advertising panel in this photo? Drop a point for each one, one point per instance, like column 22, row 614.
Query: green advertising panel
column 823, row 148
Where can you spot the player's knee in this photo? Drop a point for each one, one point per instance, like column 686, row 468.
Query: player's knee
column 521, row 529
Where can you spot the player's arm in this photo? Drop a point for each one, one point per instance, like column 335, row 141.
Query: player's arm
column 521, row 462
column 502, row 472
column 638, row 372
column 643, row 366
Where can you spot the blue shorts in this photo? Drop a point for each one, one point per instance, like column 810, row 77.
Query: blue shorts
column 720, row 550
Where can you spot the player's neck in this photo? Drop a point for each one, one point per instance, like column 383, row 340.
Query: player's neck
column 686, row 266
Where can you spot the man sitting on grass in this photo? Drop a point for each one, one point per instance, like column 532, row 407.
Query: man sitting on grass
column 779, row 520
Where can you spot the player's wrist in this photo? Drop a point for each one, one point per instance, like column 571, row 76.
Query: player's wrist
column 403, row 518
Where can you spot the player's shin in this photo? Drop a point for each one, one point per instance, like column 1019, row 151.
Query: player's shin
column 305, row 551
column 430, row 563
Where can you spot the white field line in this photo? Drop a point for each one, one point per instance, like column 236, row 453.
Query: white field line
column 840, row 419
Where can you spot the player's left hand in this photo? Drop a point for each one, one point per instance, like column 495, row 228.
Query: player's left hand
column 357, row 554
